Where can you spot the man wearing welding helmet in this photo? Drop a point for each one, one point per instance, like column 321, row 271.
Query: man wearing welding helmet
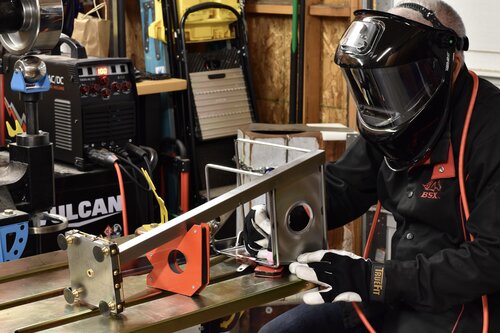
column 429, row 153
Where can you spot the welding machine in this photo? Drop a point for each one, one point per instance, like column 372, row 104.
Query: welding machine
column 91, row 103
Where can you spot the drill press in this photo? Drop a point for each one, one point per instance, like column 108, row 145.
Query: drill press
column 27, row 187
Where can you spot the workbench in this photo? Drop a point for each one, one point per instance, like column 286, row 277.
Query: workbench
column 31, row 298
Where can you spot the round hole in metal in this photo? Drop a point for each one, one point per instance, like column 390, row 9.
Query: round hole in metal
column 175, row 259
column 299, row 216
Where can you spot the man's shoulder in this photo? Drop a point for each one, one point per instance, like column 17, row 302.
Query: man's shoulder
column 486, row 92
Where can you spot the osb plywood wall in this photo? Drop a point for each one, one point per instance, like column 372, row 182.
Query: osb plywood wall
column 334, row 90
column 134, row 43
column 269, row 44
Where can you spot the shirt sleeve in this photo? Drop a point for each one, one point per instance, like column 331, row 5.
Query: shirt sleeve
column 351, row 183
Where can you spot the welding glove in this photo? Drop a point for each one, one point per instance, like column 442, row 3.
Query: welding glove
column 341, row 276
column 257, row 232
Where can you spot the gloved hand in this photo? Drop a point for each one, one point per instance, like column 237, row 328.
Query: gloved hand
column 343, row 275
column 257, row 233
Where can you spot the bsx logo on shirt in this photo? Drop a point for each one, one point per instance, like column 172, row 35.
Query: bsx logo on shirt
column 431, row 190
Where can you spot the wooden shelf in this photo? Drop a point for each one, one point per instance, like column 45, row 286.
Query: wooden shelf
column 148, row 87
column 264, row 8
column 329, row 11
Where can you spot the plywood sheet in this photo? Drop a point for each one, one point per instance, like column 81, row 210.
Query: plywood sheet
column 134, row 46
column 334, row 90
column 269, row 45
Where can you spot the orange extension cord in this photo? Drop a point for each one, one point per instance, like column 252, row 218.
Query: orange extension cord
column 463, row 197
column 461, row 178
column 122, row 195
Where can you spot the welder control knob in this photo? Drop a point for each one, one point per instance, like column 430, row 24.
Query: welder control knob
column 32, row 68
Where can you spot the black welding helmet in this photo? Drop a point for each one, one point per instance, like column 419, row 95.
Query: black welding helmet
column 399, row 72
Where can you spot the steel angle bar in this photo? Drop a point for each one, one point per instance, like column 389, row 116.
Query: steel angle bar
column 279, row 177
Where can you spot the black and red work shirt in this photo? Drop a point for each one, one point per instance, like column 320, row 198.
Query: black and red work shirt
column 435, row 269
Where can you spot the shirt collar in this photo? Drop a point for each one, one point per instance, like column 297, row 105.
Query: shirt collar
column 442, row 159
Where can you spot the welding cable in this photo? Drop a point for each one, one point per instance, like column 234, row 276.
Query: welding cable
column 122, row 195
column 371, row 234
column 106, row 158
column 366, row 252
column 134, row 179
column 461, row 180
column 125, row 154
column 184, row 191
column 145, row 153
column 151, row 158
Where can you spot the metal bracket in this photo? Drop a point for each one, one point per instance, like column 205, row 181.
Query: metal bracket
column 95, row 274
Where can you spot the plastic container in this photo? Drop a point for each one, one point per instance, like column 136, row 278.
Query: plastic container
column 208, row 24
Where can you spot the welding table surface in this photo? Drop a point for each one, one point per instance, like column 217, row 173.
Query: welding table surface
column 35, row 303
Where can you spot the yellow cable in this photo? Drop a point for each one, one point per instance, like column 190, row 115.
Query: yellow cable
column 161, row 203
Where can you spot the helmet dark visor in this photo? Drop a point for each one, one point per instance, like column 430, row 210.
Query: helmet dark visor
column 391, row 96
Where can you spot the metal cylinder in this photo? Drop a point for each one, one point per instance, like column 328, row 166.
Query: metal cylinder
column 31, row 109
column 11, row 16
column 39, row 25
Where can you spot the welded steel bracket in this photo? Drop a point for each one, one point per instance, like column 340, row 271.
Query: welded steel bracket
column 298, row 183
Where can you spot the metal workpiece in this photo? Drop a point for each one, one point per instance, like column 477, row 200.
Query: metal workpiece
column 95, row 273
column 295, row 190
column 295, row 208
column 281, row 179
